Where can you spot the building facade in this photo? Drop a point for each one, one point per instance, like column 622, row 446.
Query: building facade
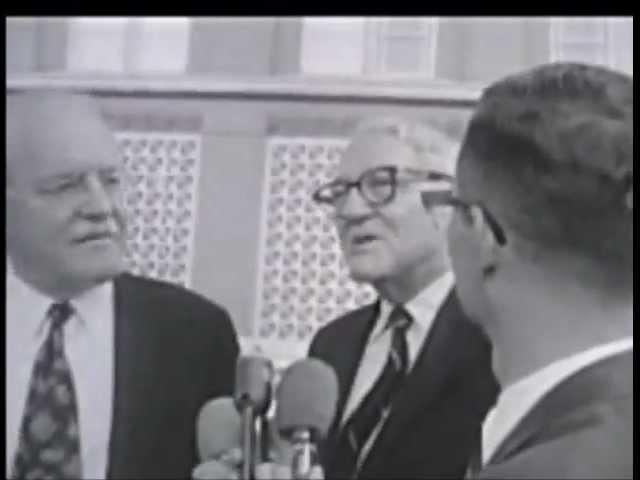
column 227, row 125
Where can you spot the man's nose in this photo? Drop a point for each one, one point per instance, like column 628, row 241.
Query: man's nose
column 353, row 206
column 99, row 201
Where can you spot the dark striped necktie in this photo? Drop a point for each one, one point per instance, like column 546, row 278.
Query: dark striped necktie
column 49, row 443
column 376, row 404
column 475, row 461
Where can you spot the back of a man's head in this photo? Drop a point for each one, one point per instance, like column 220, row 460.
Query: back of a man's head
column 550, row 153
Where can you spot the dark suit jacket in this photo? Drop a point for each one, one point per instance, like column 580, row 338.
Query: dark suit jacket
column 174, row 350
column 583, row 428
column 436, row 420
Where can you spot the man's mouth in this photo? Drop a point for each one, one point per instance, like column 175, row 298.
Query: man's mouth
column 94, row 236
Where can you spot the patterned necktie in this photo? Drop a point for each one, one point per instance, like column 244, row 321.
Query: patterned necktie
column 376, row 404
column 49, row 445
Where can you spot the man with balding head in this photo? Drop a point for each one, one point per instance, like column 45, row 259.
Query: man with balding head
column 542, row 249
column 106, row 371
column 414, row 374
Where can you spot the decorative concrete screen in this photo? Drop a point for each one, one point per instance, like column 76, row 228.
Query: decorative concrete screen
column 161, row 198
column 303, row 281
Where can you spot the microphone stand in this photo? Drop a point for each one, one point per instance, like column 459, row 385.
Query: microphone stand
column 305, row 454
column 248, row 443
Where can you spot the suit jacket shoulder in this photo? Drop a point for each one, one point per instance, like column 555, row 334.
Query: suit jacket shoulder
column 600, row 445
column 582, row 429
column 168, row 295
column 333, row 333
column 174, row 350
column 172, row 307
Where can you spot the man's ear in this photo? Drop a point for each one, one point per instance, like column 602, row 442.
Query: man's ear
column 628, row 199
column 488, row 244
column 441, row 217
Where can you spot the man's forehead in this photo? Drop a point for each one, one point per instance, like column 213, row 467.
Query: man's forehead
column 371, row 150
column 61, row 134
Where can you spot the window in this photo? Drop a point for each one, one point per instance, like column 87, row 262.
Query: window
column 402, row 46
column 332, row 45
column 128, row 45
column 603, row 41
column 158, row 45
column 369, row 46
column 96, row 44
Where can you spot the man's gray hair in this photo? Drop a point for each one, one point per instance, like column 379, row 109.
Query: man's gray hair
column 430, row 144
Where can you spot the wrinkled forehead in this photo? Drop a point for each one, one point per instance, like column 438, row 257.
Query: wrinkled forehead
column 371, row 150
column 55, row 134
column 421, row 148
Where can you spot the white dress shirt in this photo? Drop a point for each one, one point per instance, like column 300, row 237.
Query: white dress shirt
column 423, row 309
column 88, row 343
column 519, row 398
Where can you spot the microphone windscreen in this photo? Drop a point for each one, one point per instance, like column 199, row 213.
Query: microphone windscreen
column 253, row 383
column 219, row 428
column 306, row 398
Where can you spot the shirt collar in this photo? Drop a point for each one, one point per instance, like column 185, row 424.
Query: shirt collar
column 23, row 293
column 422, row 307
column 92, row 304
column 88, row 306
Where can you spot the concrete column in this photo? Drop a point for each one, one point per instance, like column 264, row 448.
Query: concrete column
column 52, row 44
column 451, row 49
column 287, row 46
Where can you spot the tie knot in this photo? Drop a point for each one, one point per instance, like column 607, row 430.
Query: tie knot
column 399, row 319
column 59, row 313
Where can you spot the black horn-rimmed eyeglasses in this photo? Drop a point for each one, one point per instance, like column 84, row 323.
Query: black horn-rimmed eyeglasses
column 377, row 186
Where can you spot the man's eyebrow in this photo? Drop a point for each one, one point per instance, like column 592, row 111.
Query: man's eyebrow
column 109, row 170
column 339, row 178
column 431, row 174
column 59, row 177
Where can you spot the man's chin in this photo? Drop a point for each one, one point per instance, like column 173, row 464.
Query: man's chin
column 102, row 270
column 364, row 273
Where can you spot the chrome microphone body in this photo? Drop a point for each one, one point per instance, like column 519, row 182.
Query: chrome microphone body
column 252, row 399
column 305, row 454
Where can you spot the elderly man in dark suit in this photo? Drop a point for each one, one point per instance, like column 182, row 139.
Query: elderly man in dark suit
column 106, row 371
column 542, row 249
column 414, row 374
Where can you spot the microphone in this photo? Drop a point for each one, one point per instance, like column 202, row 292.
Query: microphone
column 252, row 398
column 219, row 428
column 305, row 407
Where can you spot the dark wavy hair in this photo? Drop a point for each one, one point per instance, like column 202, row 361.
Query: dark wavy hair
column 550, row 153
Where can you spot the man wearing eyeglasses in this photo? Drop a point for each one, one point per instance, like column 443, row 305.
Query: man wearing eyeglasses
column 542, row 249
column 415, row 376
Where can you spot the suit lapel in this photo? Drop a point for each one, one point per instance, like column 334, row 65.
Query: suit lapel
column 348, row 359
column 424, row 381
column 133, row 378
